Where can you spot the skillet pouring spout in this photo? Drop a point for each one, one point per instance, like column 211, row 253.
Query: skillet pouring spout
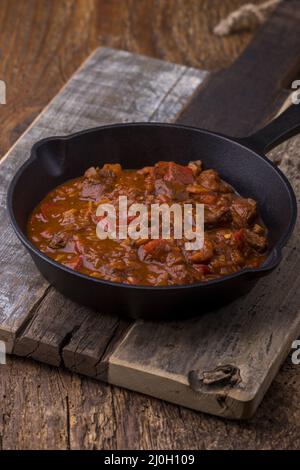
column 240, row 162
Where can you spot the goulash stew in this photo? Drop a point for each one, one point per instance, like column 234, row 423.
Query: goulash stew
column 63, row 226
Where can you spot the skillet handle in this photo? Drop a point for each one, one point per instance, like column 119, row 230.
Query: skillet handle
column 286, row 125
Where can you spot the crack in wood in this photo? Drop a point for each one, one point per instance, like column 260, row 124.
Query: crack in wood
column 221, row 377
column 117, row 335
column 65, row 341
column 68, row 423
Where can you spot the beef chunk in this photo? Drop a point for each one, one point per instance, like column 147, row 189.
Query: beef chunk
column 196, row 189
column 243, row 211
column 59, row 240
column 210, row 179
column 154, row 250
column 170, row 180
column 214, row 215
column 92, row 190
column 173, row 173
column 217, row 209
column 92, row 174
column 196, row 167
column 97, row 181
column 258, row 242
column 110, row 171
column 203, row 255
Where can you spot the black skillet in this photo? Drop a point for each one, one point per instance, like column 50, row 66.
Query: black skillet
column 241, row 162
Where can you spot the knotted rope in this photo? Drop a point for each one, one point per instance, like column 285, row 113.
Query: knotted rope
column 247, row 17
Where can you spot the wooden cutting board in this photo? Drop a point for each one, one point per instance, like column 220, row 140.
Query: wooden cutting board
column 165, row 360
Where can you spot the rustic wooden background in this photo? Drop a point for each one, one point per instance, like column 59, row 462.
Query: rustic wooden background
column 42, row 43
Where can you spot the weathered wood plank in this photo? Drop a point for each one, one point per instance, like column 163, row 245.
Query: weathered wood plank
column 111, row 86
column 89, row 349
column 62, row 332
column 254, row 333
column 36, row 407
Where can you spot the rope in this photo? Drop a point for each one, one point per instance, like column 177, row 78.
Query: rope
column 248, row 17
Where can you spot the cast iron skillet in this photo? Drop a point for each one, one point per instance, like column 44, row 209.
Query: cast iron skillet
column 241, row 162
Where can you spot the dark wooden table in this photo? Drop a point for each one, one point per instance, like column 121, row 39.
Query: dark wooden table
column 42, row 43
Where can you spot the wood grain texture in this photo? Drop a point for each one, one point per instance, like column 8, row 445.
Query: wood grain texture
column 64, row 333
column 49, row 408
column 43, row 42
column 36, row 408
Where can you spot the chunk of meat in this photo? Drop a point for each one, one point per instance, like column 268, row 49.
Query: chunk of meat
column 96, row 181
column 174, row 173
column 258, row 242
column 214, row 215
column 207, row 198
column 195, row 166
column 110, row 170
column 216, row 211
column 203, row 255
column 92, row 190
column 92, row 174
column 146, row 171
column 167, row 191
column 170, row 180
column 259, row 229
column 243, row 211
column 59, row 240
column 154, row 250
column 211, row 180
column 196, row 189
